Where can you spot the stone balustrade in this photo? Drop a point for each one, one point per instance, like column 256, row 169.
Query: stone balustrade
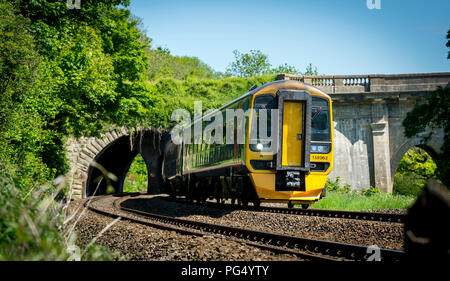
column 373, row 83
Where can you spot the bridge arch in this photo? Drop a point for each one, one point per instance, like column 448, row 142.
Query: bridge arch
column 432, row 147
column 113, row 153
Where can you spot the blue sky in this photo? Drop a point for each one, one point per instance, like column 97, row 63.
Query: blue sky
column 339, row 37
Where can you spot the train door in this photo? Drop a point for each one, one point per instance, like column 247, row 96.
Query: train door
column 294, row 109
column 292, row 133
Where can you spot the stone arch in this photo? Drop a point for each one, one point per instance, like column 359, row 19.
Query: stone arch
column 432, row 147
column 115, row 152
column 115, row 158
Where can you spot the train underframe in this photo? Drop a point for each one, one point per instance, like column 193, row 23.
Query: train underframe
column 238, row 188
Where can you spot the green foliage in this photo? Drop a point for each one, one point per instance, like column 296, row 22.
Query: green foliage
column 137, row 177
column 255, row 63
column 417, row 161
column 173, row 94
column 335, row 186
column 448, row 43
column 285, row 68
column 408, row 183
column 343, row 198
column 311, row 70
column 434, row 114
column 32, row 224
column 249, row 64
column 23, row 77
column 370, row 191
column 415, row 168
column 352, row 201
column 68, row 72
column 163, row 64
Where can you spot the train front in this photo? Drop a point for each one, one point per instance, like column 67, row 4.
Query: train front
column 290, row 158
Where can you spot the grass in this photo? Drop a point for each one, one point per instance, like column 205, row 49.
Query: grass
column 36, row 226
column 336, row 200
column 344, row 198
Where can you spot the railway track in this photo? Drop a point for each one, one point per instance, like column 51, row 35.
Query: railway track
column 356, row 215
column 306, row 248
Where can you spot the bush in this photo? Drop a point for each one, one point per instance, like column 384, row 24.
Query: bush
column 408, row 183
column 180, row 94
column 32, row 224
column 370, row 191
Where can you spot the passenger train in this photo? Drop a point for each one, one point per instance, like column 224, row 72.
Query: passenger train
column 294, row 171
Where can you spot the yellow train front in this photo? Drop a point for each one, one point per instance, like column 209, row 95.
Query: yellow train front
column 285, row 163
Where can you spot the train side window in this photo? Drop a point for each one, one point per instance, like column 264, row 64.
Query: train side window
column 320, row 120
column 267, row 102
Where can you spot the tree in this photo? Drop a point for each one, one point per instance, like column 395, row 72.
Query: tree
column 285, row 68
column 419, row 162
column 94, row 62
column 448, row 43
column 310, row 70
column 249, row 64
column 434, row 114
column 23, row 78
column 163, row 64
column 255, row 63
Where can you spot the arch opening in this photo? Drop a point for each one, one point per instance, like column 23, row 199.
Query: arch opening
column 136, row 179
column 115, row 159
column 414, row 169
column 118, row 157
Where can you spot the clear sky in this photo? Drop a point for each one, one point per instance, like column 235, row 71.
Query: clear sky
column 339, row 37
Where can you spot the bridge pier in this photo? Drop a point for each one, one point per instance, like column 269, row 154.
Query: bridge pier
column 381, row 163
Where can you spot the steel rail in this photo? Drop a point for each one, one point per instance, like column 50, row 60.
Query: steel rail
column 314, row 247
column 180, row 228
column 355, row 215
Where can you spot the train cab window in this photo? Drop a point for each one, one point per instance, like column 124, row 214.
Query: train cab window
column 320, row 120
column 267, row 102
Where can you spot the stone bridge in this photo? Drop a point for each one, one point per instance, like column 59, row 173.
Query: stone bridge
column 91, row 159
column 368, row 111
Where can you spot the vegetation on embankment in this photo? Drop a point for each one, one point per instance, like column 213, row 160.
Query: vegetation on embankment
column 344, row 198
column 35, row 223
column 174, row 94
column 62, row 73
column 412, row 174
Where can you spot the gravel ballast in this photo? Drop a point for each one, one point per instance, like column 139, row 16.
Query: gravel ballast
column 366, row 233
column 140, row 242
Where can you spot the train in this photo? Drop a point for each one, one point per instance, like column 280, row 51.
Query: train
column 291, row 166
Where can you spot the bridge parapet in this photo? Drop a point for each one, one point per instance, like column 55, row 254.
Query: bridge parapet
column 373, row 83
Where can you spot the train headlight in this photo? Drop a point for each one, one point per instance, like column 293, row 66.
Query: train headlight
column 320, row 148
column 259, row 146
